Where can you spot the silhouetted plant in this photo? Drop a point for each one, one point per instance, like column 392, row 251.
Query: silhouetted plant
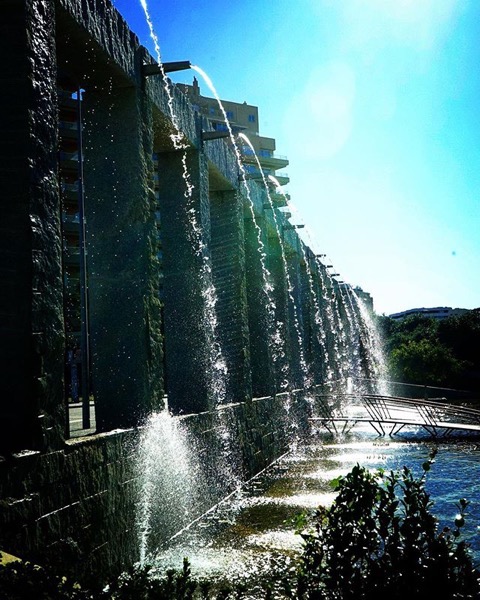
column 138, row 583
column 27, row 581
column 380, row 540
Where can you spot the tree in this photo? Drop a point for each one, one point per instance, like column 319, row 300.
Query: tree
column 462, row 335
column 425, row 351
column 424, row 362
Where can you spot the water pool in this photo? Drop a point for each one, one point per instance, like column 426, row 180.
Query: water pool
column 253, row 531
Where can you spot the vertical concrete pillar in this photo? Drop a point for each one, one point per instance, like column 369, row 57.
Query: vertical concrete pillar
column 122, row 263
column 31, row 309
column 185, row 239
column 228, row 262
column 295, row 320
column 313, row 320
column 260, row 328
column 277, row 268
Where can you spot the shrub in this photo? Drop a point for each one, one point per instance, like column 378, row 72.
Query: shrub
column 26, row 581
column 380, row 540
column 139, row 584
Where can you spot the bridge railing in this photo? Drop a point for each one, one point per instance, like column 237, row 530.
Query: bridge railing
column 429, row 411
column 387, row 408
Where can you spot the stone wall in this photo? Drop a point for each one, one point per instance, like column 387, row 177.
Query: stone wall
column 229, row 276
column 31, row 319
column 73, row 508
column 73, row 502
column 76, row 508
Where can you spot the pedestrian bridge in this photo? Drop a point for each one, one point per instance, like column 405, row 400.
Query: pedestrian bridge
column 390, row 414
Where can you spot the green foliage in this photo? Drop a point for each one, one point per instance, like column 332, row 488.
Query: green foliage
column 380, row 540
column 424, row 361
column 426, row 351
column 462, row 334
column 26, row 581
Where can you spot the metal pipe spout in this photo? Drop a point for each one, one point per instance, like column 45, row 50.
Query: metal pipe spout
column 168, row 67
column 214, row 135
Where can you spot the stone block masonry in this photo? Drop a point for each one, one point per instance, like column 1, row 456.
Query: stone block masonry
column 31, row 320
column 122, row 269
column 170, row 246
column 74, row 508
column 229, row 276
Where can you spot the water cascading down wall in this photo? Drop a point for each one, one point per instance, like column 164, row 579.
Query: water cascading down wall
column 168, row 231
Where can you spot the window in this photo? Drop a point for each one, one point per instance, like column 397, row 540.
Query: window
column 251, row 118
column 247, row 151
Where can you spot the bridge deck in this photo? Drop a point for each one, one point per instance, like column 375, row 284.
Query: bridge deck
column 436, row 417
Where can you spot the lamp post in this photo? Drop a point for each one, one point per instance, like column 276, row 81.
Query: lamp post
column 84, row 316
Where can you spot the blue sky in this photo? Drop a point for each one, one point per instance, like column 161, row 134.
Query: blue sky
column 376, row 103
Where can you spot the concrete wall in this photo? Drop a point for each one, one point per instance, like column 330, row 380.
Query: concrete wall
column 74, row 500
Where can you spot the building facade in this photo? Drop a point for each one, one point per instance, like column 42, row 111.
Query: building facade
column 243, row 118
column 438, row 312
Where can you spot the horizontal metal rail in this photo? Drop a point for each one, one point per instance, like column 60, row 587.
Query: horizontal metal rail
column 429, row 414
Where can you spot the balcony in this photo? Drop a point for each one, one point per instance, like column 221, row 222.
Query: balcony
column 71, row 257
column 68, row 129
column 282, row 178
column 252, row 172
column 69, row 160
column 70, row 223
column 71, row 188
column 270, row 161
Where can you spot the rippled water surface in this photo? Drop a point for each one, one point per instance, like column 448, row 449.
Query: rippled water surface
column 253, row 531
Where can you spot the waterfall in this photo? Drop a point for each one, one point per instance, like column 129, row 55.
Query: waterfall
column 303, row 365
column 275, row 333
column 181, row 474
column 218, row 371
